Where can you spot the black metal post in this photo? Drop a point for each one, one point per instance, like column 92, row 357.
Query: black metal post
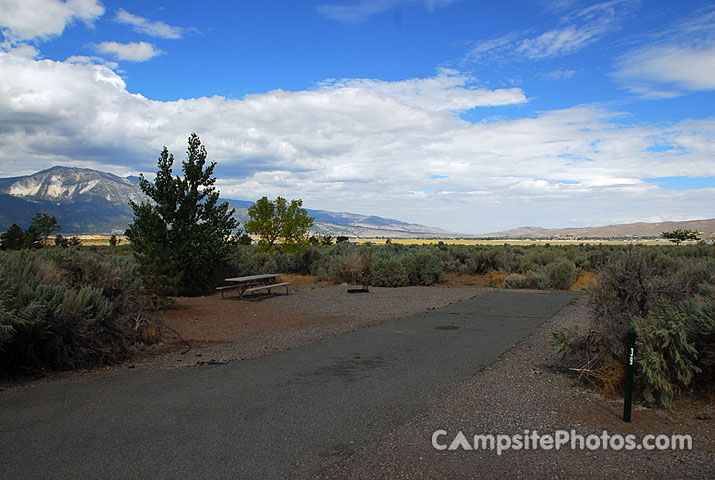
column 630, row 361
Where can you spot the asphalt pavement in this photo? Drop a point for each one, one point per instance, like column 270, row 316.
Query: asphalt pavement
column 285, row 415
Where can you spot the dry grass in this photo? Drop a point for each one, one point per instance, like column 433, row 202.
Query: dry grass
column 100, row 240
column 496, row 279
column 584, row 280
column 606, row 378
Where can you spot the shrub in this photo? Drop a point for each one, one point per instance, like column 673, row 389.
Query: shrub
column 352, row 267
column 423, row 268
column 64, row 308
column 513, row 280
column 700, row 312
column 563, row 339
column 562, row 274
column 667, row 295
column 665, row 357
column 633, row 282
column 388, row 271
column 534, row 279
column 484, row 261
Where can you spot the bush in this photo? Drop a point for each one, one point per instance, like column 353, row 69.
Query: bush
column 667, row 295
column 423, row 268
column 633, row 282
column 352, row 267
column 513, row 280
column 665, row 357
column 562, row 274
column 64, row 308
column 534, row 279
column 388, row 271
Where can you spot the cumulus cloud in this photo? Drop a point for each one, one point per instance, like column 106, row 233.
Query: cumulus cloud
column 132, row 51
column 42, row 19
column 677, row 60
column 361, row 147
column 361, row 11
column 143, row 25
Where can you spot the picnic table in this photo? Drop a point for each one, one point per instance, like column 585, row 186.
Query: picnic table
column 254, row 283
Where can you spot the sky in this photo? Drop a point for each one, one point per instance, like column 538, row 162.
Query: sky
column 471, row 116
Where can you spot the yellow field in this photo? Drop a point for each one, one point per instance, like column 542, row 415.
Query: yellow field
column 101, row 239
column 478, row 241
column 104, row 240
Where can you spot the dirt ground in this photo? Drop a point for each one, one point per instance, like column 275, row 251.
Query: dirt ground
column 211, row 319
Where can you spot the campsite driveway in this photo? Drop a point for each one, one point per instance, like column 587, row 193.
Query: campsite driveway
column 288, row 414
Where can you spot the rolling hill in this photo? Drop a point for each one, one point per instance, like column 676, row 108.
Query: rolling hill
column 706, row 228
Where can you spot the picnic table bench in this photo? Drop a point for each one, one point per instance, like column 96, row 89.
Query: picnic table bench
column 254, row 283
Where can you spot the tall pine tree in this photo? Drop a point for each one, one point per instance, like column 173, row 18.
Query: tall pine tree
column 183, row 234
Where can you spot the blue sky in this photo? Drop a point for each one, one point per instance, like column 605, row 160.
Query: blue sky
column 466, row 115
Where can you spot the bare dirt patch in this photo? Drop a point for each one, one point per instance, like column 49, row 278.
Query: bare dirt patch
column 221, row 330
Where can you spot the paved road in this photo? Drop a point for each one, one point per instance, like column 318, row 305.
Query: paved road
column 288, row 414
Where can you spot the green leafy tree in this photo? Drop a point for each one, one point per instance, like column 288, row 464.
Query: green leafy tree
column 184, row 233
column 680, row 235
column 279, row 220
column 13, row 239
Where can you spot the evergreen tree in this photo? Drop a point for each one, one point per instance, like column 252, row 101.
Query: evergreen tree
column 183, row 234
column 13, row 239
column 44, row 225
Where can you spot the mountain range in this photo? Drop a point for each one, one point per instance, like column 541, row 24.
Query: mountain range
column 86, row 201
column 706, row 229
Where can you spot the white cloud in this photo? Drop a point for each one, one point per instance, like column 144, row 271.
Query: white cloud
column 677, row 60
column 575, row 166
column 142, row 25
column 42, row 19
column 133, row 51
column 680, row 68
column 21, row 50
column 361, row 11
column 91, row 60
column 556, row 43
column 577, row 30
column 449, row 91
column 560, row 74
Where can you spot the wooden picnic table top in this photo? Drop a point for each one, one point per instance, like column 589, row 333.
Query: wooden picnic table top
column 253, row 278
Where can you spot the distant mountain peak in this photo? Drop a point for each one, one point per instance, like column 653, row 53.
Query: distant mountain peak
column 73, row 183
column 90, row 201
